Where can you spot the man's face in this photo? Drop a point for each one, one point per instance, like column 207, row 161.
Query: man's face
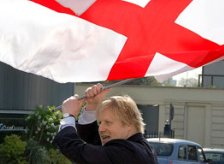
column 111, row 127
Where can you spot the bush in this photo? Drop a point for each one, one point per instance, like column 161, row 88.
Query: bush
column 57, row 158
column 12, row 150
column 42, row 126
column 36, row 153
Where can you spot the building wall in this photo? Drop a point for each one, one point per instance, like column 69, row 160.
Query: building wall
column 198, row 114
column 21, row 92
column 149, row 113
column 213, row 75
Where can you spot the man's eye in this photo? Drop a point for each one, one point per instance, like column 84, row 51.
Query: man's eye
column 108, row 123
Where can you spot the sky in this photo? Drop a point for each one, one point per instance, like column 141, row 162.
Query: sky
column 189, row 74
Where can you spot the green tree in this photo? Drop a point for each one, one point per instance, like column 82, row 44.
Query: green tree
column 42, row 127
column 151, row 81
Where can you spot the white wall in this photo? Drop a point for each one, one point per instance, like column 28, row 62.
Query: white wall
column 199, row 113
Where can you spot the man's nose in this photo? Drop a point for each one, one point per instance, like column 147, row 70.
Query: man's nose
column 101, row 128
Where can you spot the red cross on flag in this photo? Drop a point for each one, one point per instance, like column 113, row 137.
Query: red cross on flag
column 120, row 39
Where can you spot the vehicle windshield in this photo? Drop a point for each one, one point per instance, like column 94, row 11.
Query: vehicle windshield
column 162, row 149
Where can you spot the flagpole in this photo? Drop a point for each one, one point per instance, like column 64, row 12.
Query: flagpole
column 104, row 87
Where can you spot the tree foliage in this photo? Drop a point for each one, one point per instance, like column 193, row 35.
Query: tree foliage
column 37, row 148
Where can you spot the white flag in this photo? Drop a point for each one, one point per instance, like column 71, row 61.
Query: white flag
column 58, row 46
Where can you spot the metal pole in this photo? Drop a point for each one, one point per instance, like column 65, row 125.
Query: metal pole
column 105, row 87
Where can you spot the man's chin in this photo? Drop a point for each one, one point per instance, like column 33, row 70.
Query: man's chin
column 104, row 141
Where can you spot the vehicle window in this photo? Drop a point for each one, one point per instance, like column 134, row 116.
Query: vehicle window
column 214, row 156
column 162, row 149
column 201, row 154
column 192, row 153
column 182, row 152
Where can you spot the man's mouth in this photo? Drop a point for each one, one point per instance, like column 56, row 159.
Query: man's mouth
column 105, row 138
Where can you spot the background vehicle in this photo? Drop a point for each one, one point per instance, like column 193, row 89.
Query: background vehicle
column 177, row 151
column 216, row 155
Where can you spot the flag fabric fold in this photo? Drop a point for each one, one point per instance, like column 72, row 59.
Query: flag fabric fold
column 97, row 40
column 57, row 46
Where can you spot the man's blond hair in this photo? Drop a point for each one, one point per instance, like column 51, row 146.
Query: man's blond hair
column 126, row 109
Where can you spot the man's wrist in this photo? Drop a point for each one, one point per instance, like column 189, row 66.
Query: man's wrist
column 67, row 121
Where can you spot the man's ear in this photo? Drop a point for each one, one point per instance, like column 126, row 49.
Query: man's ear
column 130, row 127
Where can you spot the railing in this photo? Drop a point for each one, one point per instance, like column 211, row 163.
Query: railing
column 171, row 134
column 13, row 130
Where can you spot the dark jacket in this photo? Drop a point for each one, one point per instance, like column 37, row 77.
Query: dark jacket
column 134, row 150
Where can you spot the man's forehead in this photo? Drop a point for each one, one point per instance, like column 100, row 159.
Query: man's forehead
column 107, row 113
